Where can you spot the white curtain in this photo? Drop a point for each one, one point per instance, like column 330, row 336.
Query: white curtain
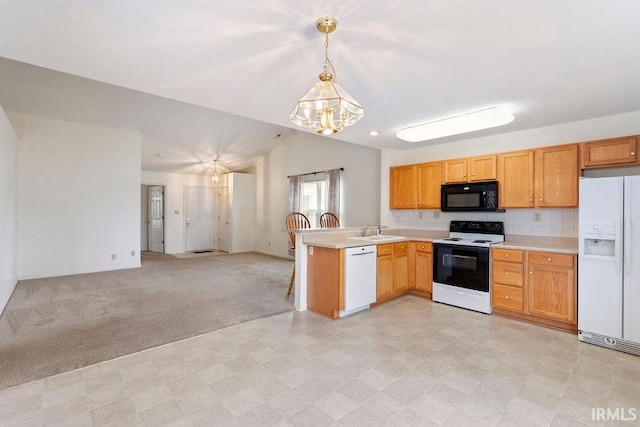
column 333, row 182
column 295, row 187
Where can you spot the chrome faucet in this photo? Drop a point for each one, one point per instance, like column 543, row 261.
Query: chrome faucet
column 365, row 231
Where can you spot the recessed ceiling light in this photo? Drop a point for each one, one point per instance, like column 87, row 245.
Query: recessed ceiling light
column 374, row 132
column 463, row 123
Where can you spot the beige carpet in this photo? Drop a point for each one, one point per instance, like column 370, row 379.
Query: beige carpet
column 59, row 324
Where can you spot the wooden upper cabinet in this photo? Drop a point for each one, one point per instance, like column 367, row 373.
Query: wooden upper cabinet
column 609, row 152
column 429, row 182
column 402, row 186
column 515, row 177
column 455, row 170
column 556, row 176
column 483, row 168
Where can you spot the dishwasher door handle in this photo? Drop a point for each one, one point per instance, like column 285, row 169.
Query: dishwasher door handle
column 362, row 253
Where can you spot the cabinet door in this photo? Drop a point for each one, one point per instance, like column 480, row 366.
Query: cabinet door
column 400, row 272
column 556, row 176
column 609, row 152
column 384, row 280
column 424, row 271
column 455, row 170
column 429, row 182
column 552, row 292
column 515, row 179
column 402, row 187
column 483, row 168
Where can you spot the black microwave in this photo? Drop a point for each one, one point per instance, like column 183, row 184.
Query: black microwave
column 470, row 197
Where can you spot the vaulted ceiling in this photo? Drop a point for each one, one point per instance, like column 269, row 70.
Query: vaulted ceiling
column 203, row 79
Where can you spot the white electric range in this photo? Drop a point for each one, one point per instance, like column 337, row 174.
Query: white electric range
column 462, row 267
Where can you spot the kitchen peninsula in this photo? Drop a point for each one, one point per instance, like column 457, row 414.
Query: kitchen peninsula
column 416, row 252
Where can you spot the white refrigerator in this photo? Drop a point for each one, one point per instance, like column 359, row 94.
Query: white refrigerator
column 609, row 263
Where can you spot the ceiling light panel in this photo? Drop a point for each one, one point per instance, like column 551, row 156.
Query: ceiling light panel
column 455, row 125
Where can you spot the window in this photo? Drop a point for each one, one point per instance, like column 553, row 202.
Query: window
column 315, row 193
column 313, row 198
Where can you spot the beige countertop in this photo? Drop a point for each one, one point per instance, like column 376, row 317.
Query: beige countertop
column 347, row 239
column 567, row 245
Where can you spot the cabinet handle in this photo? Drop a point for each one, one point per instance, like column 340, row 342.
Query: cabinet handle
column 633, row 153
column 530, row 272
column 464, row 175
column 506, row 255
column 531, row 199
column 506, row 297
column 507, row 273
column 540, row 199
column 418, row 203
column 549, row 259
column 429, row 259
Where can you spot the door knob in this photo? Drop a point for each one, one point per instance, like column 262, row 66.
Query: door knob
column 633, row 153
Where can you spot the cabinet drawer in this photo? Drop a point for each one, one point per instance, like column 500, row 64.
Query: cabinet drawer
column 507, row 297
column 424, row 247
column 400, row 248
column 385, row 249
column 551, row 258
column 510, row 255
column 507, row 273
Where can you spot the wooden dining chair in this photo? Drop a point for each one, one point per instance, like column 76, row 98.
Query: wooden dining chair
column 294, row 221
column 329, row 220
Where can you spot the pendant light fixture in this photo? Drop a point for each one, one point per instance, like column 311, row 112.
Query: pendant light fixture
column 327, row 108
column 215, row 178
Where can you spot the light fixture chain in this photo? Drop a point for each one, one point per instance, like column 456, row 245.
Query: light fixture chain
column 327, row 61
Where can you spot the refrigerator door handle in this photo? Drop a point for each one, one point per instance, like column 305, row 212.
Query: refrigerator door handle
column 627, row 245
column 619, row 247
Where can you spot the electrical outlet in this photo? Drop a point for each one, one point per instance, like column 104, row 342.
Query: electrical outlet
column 436, row 214
column 133, row 253
column 310, row 250
column 537, row 217
column 269, row 244
column 176, row 212
column 113, row 257
column 419, row 214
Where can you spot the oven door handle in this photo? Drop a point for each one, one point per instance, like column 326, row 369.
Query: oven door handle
column 464, row 256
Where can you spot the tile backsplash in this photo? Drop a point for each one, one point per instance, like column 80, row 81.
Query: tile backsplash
column 528, row 222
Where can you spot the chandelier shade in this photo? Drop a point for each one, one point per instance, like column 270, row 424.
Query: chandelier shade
column 327, row 108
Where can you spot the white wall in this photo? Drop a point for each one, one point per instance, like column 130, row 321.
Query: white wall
column 302, row 152
column 174, row 204
column 8, row 209
column 554, row 222
column 78, row 197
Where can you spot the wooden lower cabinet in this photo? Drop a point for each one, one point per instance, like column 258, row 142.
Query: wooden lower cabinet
column 325, row 281
column 424, row 267
column 552, row 286
column 538, row 287
column 392, row 270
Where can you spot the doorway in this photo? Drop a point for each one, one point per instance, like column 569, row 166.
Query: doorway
column 200, row 219
column 155, row 221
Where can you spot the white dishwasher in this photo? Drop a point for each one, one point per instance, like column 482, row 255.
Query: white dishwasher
column 359, row 278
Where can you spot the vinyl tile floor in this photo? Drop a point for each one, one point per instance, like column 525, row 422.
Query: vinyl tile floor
column 408, row 362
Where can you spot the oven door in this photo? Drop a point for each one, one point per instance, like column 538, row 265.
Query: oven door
column 461, row 266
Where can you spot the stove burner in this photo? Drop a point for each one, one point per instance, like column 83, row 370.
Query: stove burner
column 482, row 241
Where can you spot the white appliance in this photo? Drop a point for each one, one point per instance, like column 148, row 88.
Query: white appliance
column 608, row 280
column 462, row 268
column 359, row 278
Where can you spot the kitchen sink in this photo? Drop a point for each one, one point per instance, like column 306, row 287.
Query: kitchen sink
column 376, row 238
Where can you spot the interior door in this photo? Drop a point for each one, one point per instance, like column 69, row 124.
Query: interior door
column 155, row 221
column 200, row 222
column 223, row 209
